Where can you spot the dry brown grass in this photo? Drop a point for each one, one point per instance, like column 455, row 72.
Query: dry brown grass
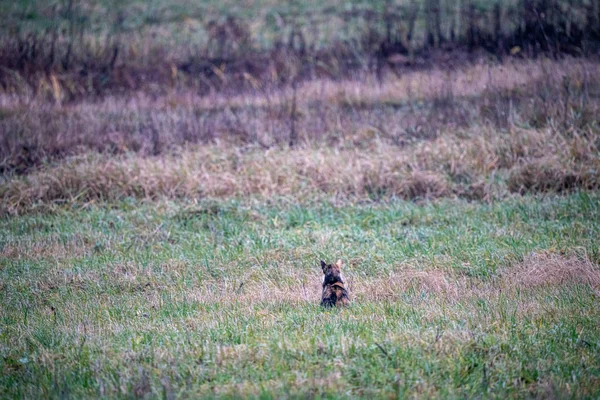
column 255, row 287
column 424, row 185
column 547, row 174
column 47, row 248
column 469, row 81
column 405, row 280
column 287, row 285
column 475, row 165
column 550, row 269
column 416, row 106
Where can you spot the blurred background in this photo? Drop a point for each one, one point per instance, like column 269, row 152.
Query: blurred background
column 172, row 171
column 150, row 78
column 105, row 46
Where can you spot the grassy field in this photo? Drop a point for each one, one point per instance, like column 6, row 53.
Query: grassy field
column 220, row 298
column 171, row 177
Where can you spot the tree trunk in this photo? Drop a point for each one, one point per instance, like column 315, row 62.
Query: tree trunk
column 429, row 23
column 458, row 19
column 596, row 12
column 437, row 12
column 498, row 26
column 414, row 12
column 472, row 28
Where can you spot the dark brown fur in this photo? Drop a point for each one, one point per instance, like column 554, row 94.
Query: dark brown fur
column 334, row 290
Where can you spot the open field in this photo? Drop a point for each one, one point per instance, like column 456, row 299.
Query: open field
column 171, row 173
column 168, row 246
column 221, row 299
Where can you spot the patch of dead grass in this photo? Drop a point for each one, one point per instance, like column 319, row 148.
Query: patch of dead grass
column 302, row 288
column 448, row 166
column 292, row 286
column 424, row 185
column 399, row 283
column 46, row 248
column 545, row 174
column 550, row 269
column 537, row 270
column 416, row 106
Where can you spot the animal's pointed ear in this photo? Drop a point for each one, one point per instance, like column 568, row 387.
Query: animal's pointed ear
column 339, row 263
column 323, row 265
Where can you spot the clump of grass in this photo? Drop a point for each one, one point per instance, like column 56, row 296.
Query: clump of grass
column 424, row 185
column 541, row 175
column 395, row 285
column 550, row 269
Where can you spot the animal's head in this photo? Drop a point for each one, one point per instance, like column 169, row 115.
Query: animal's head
column 332, row 273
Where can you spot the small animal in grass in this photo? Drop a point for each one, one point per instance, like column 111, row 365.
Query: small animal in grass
column 334, row 290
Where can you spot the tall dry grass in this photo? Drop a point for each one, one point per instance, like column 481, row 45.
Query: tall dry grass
column 480, row 133
column 416, row 106
column 475, row 164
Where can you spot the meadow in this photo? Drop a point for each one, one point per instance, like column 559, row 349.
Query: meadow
column 169, row 246
column 166, row 197
column 450, row 299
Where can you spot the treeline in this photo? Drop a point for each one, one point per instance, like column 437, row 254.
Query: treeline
column 534, row 25
column 75, row 52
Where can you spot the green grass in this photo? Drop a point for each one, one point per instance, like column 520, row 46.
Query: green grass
column 221, row 299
